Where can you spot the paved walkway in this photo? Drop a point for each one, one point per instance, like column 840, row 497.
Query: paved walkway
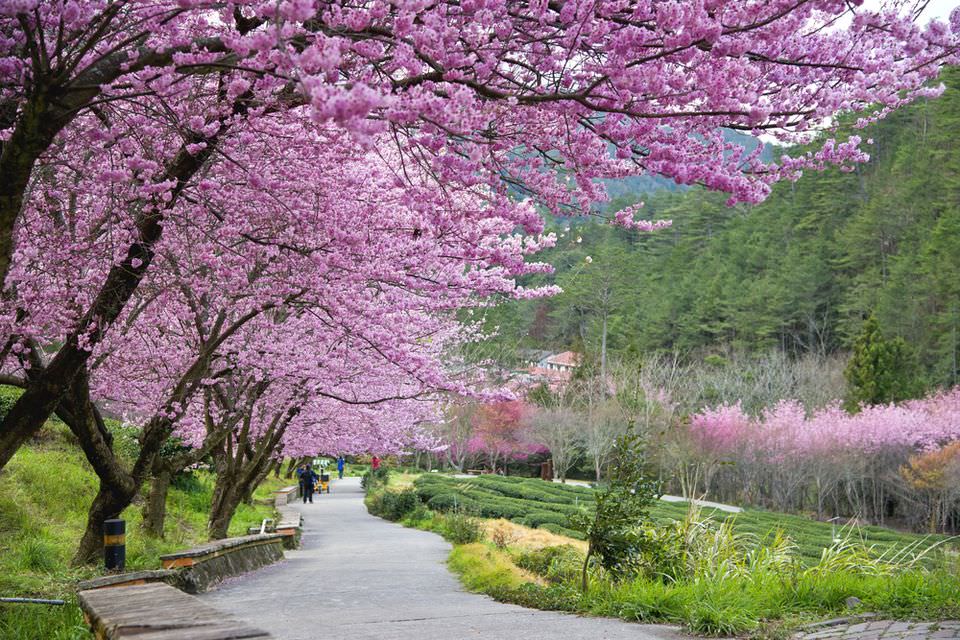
column 358, row 577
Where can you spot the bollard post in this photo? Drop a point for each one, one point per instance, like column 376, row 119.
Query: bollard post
column 114, row 545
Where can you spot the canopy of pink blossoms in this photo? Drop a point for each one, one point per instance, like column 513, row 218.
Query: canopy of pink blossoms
column 277, row 206
column 786, row 431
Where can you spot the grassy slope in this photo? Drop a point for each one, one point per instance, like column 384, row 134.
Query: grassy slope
column 44, row 494
column 810, row 536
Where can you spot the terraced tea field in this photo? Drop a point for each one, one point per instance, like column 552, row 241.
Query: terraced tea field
column 535, row 503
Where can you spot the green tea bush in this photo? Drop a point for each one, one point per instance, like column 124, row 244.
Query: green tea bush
column 538, row 518
column 8, row 398
column 562, row 531
column 450, row 502
column 392, row 505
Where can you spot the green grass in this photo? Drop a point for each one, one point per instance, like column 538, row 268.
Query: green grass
column 763, row 604
column 485, row 569
column 740, row 605
column 45, row 491
column 528, row 501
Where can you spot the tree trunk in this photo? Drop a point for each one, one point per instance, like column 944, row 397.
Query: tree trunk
column 226, row 494
column 109, row 503
column 155, row 510
column 222, row 513
column 293, row 466
column 584, row 573
column 34, row 132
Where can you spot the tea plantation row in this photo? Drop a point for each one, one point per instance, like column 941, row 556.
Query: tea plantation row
column 535, row 503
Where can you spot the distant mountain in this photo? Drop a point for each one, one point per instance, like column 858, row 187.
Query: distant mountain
column 653, row 184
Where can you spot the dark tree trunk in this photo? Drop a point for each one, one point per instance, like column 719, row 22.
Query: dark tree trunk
column 34, row 132
column 155, row 509
column 109, row 503
column 293, row 466
column 221, row 511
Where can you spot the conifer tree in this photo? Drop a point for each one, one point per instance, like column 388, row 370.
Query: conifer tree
column 880, row 371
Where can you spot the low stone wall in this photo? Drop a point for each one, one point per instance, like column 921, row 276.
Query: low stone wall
column 158, row 612
column 152, row 604
column 167, row 576
column 286, row 495
column 204, row 566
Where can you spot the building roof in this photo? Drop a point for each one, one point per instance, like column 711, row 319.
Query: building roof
column 565, row 359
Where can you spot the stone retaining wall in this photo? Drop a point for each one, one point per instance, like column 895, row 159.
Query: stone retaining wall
column 209, row 564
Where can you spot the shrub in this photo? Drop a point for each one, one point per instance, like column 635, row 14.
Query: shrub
column 419, row 514
column 558, row 564
column 502, row 537
column 611, row 529
column 450, row 502
column 392, row 505
column 459, row 528
column 374, row 478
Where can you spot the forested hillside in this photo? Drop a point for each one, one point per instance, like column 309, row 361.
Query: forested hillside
column 799, row 272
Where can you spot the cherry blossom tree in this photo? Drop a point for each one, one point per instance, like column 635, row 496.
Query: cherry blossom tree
column 496, row 98
column 499, row 432
column 853, row 464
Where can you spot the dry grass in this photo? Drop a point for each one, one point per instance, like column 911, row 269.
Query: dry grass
column 523, row 537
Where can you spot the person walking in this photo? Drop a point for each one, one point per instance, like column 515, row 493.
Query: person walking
column 375, row 463
column 340, row 467
column 308, row 478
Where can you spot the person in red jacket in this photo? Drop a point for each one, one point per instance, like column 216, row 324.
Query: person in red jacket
column 375, row 463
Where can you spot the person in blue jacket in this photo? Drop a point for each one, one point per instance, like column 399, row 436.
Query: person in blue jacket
column 340, row 467
column 308, row 478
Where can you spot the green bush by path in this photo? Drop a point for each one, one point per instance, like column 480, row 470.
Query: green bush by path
column 536, row 503
column 45, row 491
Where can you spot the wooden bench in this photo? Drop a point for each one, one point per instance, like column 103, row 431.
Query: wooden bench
column 158, row 612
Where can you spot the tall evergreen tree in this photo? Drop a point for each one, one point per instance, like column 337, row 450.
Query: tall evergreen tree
column 880, row 371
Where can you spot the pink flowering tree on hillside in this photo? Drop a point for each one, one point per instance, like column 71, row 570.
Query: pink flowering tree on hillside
column 159, row 97
column 788, row 458
column 499, row 433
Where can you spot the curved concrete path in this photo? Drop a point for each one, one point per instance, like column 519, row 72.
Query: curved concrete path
column 357, row 576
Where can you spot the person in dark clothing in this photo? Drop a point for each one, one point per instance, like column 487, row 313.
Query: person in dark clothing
column 308, row 478
column 340, row 466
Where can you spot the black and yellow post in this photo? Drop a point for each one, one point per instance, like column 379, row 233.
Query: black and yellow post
column 114, row 544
